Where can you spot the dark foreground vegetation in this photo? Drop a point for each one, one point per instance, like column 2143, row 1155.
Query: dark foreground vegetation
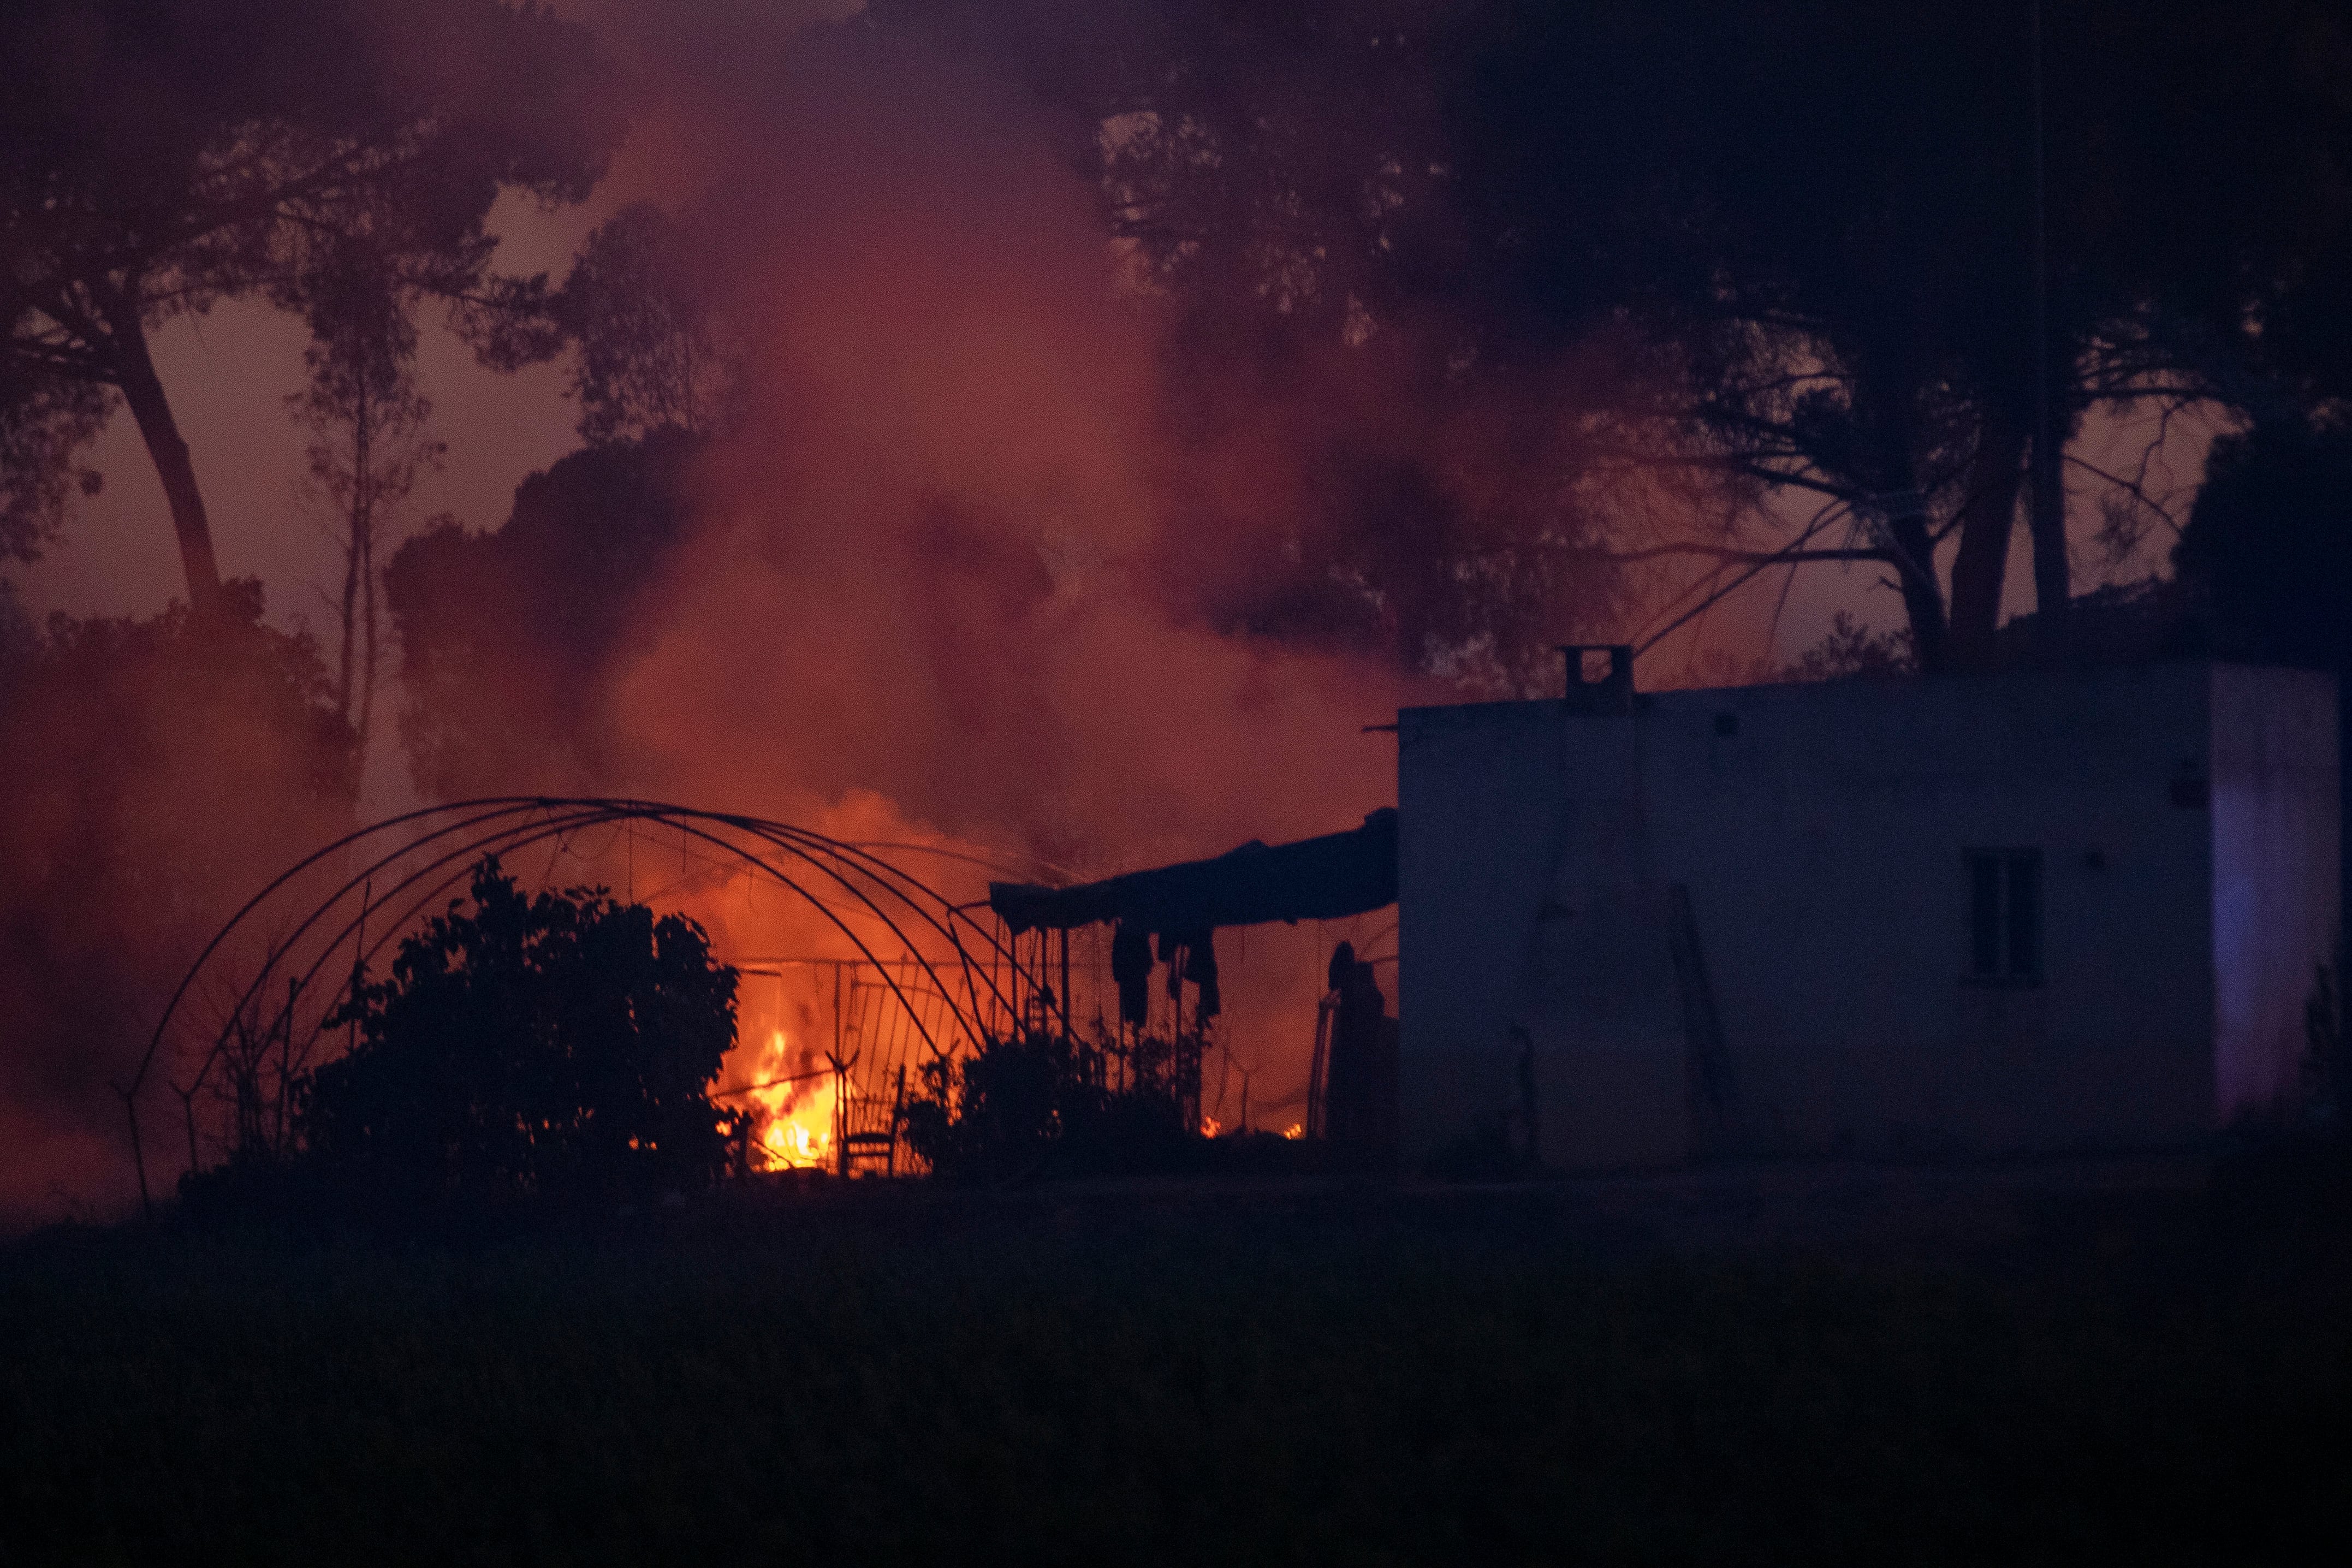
column 1826, row 1364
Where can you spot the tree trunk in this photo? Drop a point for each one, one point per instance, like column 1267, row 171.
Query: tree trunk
column 367, row 662
column 1883, row 411
column 350, row 627
column 1922, row 600
column 2046, row 519
column 355, row 552
column 1988, row 517
column 2051, row 589
column 144, row 393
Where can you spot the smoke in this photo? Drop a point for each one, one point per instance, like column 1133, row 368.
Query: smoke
column 170, row 768
column 950, row 577
column 993, row 559
column 973, row 567
column 971, row 545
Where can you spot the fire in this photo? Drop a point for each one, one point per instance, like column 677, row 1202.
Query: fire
column 1210, row 1127
column 796, row 1108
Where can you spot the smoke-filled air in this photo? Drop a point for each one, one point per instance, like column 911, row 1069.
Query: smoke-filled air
column 1035, row 442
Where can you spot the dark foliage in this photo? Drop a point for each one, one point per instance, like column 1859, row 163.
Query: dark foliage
column 2116, row 624
column 2269, row 547
column 1042, row 1103
column 649, row 354
column 1824, row 216
column 158, row 156
column 44, row 421
column 505, row 636
column 1774, row 246
column 1851, row 651
column 556, row 1047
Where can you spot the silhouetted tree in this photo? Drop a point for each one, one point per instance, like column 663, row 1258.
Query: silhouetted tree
column 559, row 1047
column 650, row 354
column 1794, row 242
column 2268, row 549
column 366, row 420
column 157, row 156
column 1778, row 197
column 505, row 636
column 44, row 420
column 1827, row 215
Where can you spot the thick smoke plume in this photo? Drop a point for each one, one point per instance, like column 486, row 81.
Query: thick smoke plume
column 954, row 574
column 945, row 562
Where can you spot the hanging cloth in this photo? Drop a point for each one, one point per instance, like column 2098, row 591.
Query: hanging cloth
column 1131, row 967
column 1200, row 969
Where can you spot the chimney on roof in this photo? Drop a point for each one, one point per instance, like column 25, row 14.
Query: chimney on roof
column 1600, row 678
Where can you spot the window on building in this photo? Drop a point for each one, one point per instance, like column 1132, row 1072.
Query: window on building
column 2005, row 916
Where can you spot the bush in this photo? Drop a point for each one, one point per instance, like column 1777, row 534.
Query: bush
column 1042, row 1103
column 559, row 1047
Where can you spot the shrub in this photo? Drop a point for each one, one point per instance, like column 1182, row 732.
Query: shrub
column 1042, row 1103
column 560, row 1046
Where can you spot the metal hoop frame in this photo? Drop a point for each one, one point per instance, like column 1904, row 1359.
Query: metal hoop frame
column 421, row 855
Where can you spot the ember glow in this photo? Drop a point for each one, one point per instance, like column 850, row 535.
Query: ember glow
column 829, row 983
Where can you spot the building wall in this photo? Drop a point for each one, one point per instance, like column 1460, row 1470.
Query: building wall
column 1824, row 844
column 1820, row 833
column 1530, row 923
column 1482, row 799
column 2276, row 874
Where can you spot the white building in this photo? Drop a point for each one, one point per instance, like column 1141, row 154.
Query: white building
column 2028, row 911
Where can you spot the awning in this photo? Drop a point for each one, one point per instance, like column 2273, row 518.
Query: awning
column 1325, row 878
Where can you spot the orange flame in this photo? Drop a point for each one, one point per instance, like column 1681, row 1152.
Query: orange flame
column 797, row 1110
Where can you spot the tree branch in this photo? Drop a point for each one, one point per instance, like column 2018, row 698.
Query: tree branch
column 2132, row 487
column 1738, row 557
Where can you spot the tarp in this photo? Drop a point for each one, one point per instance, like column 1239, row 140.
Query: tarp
column 1324, row 878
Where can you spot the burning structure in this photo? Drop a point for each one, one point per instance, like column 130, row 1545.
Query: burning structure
column 1352, row 1088
column 2011, row 913
column 839, row 1046
column 918, row 978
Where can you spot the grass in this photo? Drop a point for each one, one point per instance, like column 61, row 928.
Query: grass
column 1185, row 1374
